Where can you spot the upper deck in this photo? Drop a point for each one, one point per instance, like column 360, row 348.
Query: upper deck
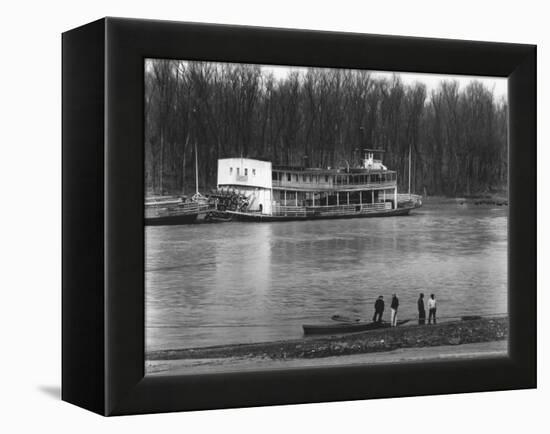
column 371, row 174
column 304, row 179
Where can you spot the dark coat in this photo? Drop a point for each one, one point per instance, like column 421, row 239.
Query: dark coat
column 379, row 305
column 394, row 303
column 421, row 305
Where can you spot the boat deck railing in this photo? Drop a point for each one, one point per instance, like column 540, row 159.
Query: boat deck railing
column 160, row 201
column 322, row 186
column 329, row 210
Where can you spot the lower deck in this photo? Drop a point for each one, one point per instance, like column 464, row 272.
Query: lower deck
column 287, row 213
column 287, row 197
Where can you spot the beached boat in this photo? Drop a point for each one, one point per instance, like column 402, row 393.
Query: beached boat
column 346, row 327
column 280, row 193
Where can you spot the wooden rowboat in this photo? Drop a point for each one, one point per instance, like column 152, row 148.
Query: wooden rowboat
column 346, row 327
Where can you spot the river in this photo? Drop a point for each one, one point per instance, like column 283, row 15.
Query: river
column 212, row 284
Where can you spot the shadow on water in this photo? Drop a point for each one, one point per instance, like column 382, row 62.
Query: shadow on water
column 51, row 391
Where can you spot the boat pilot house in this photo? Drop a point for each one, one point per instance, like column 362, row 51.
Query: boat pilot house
column 290, row 192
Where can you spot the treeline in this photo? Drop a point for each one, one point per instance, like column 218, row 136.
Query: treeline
column 457, row 137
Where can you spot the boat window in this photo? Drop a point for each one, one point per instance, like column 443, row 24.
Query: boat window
column 231, row 171
column 274, row 176
column 326, row 178
column 246, row 171
column 253, row 172
column 288, row 177
column 304, row 178
column 238, row 170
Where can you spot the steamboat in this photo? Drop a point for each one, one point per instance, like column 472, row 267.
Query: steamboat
column 281, row 193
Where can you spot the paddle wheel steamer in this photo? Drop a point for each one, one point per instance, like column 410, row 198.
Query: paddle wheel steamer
column 278, row 193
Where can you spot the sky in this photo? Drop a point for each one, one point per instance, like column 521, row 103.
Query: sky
column 499, row 84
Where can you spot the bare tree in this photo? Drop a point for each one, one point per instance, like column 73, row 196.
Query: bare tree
column 457, row 138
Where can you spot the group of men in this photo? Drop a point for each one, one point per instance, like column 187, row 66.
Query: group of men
column 379, row 309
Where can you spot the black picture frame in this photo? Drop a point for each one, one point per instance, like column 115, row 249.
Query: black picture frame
column 103, row 229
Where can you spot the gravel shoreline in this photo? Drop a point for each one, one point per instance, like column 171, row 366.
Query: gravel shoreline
column 449, row 333
column 480, row 350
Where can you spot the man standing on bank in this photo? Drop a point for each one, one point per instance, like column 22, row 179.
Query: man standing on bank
column 378, row 309
column 431, row 308
column 394, row 306
column 421, row 310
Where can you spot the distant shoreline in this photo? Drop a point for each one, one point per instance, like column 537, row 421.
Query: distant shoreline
column 500, row 198
column 478, row 199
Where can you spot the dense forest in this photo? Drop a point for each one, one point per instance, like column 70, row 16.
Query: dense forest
column 457, row 136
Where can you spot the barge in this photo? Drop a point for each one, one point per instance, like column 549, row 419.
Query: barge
column 173, row 212
column 177, row 210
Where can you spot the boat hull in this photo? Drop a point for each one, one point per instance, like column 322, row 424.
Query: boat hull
column 345, row 327
column 257, row 217
column 168, row 220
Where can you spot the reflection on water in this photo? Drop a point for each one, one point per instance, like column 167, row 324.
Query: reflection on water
column 244, row 282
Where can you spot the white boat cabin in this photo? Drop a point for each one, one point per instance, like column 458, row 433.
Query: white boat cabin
column 274, row 190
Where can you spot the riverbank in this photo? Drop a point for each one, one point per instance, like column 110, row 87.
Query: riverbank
column 432, row 337
column 483, row 350
column 500, row 199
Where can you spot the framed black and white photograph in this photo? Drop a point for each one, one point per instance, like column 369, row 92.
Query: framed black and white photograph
column 284, row 225
column 279, row 216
